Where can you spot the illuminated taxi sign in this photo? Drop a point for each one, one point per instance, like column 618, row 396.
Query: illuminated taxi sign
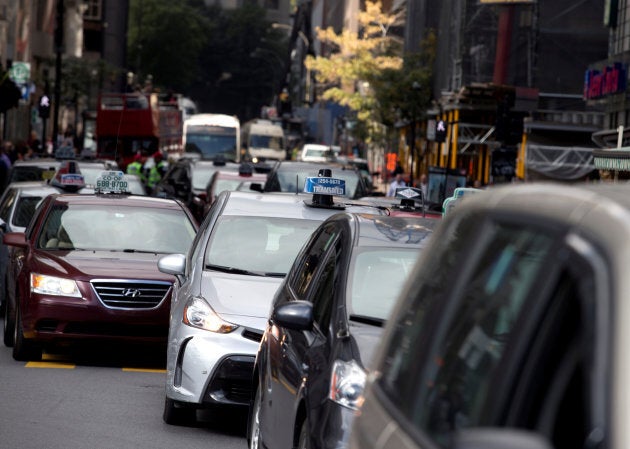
column 325, row 186
column 112, row 182
column 72, row 179
column 408, row 192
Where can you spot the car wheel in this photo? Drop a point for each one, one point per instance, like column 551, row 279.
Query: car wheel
column 9, row 325
column 253, row 436
column 24, row 349
column 176, row 414
column 303, row 442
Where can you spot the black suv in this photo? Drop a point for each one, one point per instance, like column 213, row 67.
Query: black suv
column 186, row 180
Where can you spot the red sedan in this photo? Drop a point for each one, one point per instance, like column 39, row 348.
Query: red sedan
column 86, row 268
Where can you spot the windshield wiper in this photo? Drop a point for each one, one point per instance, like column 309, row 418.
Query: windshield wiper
column 233, row 270
column 272, row 274
column 131, row 250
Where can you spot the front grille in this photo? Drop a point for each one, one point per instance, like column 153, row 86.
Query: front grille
column 131, row 294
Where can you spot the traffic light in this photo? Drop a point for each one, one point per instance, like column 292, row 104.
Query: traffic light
column 44, row 106
column 440, row 131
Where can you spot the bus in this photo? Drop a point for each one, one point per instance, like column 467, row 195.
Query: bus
column 212, row 136
column 263, row 140
column 136, row 123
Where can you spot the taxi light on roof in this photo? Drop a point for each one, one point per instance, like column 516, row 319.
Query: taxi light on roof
column 112, row 182
column 68, row 177
column 325, row 186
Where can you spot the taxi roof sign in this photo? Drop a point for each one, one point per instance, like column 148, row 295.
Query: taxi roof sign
column 68, row 177
column 325, row 186
column 112, row 181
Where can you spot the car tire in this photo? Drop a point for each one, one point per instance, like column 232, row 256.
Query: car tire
column 24, row 349
column 253, row 435
column 176, row 415
column 9, row 325
column 303, row 442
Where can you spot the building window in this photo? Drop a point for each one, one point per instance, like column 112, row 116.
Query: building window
column 93, row 9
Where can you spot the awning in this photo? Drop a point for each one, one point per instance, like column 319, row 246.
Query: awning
column 617, row 159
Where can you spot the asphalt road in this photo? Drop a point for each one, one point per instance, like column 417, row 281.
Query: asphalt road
column 100, row 397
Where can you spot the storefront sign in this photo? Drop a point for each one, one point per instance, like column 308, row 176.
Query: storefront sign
column 611, row 80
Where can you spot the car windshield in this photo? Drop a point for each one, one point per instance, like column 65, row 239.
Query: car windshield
column 289, row 177
column 257, row 245
column 43, row 172
column 209, row 145
column 116, row 228
column 262, row 141
column 377, row 277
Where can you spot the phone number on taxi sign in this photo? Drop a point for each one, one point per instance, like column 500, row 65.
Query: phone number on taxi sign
column 111, row 182
column 330, row 181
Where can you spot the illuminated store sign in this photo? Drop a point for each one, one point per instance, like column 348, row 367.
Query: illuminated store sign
column 611, row 80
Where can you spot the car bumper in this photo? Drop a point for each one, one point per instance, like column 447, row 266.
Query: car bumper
column 49, row 318
column 205, row 368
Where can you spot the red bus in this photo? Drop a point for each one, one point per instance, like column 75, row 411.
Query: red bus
column 127, row 124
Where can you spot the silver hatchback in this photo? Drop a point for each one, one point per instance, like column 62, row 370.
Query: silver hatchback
column 222, row 301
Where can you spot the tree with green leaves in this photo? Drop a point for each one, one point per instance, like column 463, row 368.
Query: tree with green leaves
column 368, row 73
column 165, row 40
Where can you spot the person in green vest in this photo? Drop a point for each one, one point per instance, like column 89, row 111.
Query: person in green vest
column 157, row 171
column 135, row 167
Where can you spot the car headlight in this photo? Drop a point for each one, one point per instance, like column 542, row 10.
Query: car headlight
column 346, row 384
column 51, row 285
column 199, row 314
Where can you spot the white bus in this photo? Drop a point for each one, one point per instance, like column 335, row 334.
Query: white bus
column 263, row 140
column 212, row 135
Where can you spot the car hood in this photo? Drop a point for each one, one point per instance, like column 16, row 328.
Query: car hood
column 240, row 299
column 86, row 265
column 367, row 339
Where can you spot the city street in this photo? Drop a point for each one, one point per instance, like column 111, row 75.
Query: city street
column 100, row 398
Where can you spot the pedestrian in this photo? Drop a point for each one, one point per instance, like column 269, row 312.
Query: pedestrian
column 35, row 144
column 135, row 167
column 157, row 171
column 397, row 183
column 423, row 185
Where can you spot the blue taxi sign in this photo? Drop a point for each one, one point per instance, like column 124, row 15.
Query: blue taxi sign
column 112, row 182
column 325, row 186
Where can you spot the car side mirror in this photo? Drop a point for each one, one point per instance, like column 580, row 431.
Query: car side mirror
column 499, row 438
column 296, row 315
column 174, row 264
column 15, row 239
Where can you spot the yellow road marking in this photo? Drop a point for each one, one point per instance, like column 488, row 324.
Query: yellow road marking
column 62, row 365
